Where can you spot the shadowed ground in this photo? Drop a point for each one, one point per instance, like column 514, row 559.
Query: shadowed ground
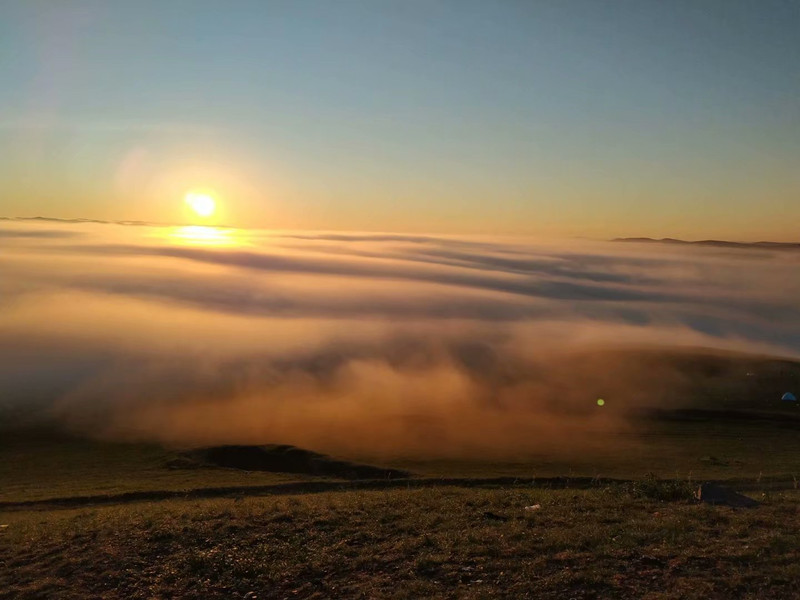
column 608, row 542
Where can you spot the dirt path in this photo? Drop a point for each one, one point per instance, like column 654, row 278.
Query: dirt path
column 301, row 487
column 315, row 487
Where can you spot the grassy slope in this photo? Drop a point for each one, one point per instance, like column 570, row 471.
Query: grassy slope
column 407, row 544
column 42, row 463
column 675, row 450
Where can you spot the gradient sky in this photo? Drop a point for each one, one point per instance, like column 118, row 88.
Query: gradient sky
column 580, row 118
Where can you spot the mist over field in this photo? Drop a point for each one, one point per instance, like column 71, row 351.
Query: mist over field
column 391, row 344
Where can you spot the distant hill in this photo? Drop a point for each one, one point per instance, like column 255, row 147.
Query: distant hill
column 79, row 221
column 715, row 243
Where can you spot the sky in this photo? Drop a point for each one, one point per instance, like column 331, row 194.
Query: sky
column 576, row 118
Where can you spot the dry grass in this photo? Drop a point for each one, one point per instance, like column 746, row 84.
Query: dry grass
column 440, row 543
column 644, row 539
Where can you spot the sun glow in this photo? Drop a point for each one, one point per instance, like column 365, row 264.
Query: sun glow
column 202, row 204
column 205, row 236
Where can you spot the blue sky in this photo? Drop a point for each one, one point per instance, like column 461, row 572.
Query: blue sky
column 567, row 118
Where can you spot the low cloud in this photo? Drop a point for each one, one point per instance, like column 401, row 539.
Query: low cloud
column 382, row 344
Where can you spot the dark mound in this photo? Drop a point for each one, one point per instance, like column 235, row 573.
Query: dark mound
column 289, row 459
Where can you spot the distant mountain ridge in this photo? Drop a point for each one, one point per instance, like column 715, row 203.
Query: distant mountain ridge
column 715, row 243
column 79, row 220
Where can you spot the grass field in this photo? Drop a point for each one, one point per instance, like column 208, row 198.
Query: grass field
column 642, row 539
column 41, row 463
column 693, row 450
column 438, row 543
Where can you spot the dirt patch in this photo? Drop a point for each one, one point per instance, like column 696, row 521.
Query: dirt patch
column 288, row 459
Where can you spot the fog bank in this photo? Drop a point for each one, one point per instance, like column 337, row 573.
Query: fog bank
column 379, row 343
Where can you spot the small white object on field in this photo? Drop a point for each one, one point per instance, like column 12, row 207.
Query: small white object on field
column 533, row 507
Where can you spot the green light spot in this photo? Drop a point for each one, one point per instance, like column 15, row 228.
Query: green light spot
column 600, row 402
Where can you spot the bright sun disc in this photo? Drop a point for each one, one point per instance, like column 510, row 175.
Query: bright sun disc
column 202, row 204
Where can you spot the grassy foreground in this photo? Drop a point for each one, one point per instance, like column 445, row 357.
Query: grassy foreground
column 614, row 542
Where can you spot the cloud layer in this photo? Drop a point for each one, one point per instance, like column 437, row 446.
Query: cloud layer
column 392, row 344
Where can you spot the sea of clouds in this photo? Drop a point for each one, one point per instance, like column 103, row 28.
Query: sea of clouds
column 392, row 344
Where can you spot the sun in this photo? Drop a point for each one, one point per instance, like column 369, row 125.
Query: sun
column 201, row 203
